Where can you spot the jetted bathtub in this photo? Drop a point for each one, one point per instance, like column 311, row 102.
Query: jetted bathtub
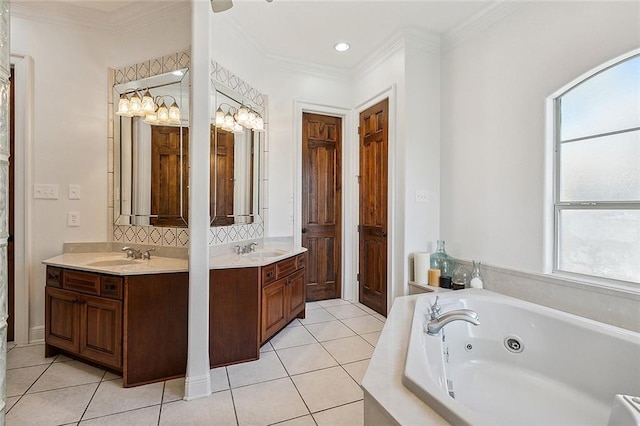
column 524, row 364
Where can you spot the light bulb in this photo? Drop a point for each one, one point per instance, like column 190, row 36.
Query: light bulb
column 228, row 122
column 259, row 127
column 174, row 113
column 243, row 115
column 148, row 106
column 135, row 105
column 151, row 118
column 219, row 117
column 163, row 113
column 123, row 106
column 237, row 128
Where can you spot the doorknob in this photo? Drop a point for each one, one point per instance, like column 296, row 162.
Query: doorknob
column 380, row 234
column 304, row 230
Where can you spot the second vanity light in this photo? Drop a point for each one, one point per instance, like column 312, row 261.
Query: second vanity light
column 154, row 110
column 237, row 119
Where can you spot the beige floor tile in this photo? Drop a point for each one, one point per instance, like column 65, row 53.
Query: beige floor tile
column 312, row 305
column 328, row 388
column 173, row 390
column 147, row 416
column 294, row 336
column 112, row 398
column 317, row 315
column 294, row 323
column 349, row 349
column 219, row 379
column 268, row 402
column 345, row 311
column 266, row 347
column 300, row 421
column 372, row 337
column 10, row 402
column 333, row 302
column 10, row 345
column 329, row 330
column 216, row 409
column 65, row 374
column 357, row 369
column 268, row 367
column 380, row 317
column 63, row 358
column 55, row 407
column 347, row 415
column 20, row 379
column 364, row 308
column 362, row 325
column 303, row 359
column 111, row 376
column 27, row 356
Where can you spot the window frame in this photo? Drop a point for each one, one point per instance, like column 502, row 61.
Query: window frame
column 587, row 205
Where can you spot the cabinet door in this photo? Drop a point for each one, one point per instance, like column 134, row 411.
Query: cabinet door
column 101, row 330
column 295, row 294
column 62, row 319
column 274, row 309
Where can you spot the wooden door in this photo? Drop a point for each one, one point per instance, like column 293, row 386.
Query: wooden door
column 62, row 319
column 373, row 206
column 169, row 175
column 10, row 210
column 322, row 204
column 101, row 330
column 222, row 172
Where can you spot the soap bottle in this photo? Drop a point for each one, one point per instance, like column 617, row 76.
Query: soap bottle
column 476, row 276
column 441, row 260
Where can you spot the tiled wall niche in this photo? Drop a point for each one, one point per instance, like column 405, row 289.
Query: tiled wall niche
column 168, row 236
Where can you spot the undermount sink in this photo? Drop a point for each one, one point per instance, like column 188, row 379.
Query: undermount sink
column 260, row 254
column 114, row 262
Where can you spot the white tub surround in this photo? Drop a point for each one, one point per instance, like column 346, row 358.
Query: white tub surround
column 524, row 363
column 386, row 400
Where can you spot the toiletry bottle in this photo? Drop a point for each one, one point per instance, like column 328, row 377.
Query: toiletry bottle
column 476, row 276
column 460, row 278
column 441, row 260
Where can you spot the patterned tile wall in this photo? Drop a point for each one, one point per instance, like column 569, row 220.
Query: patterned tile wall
column 177, row 237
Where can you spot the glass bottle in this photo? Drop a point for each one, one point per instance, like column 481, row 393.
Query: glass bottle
column 460, row 277
column 476, row 276
column 441, row 260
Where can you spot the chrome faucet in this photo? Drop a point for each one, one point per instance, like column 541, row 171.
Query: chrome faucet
column 132, row 253
column 249, row 248
column 147, row 253
column 438, row 321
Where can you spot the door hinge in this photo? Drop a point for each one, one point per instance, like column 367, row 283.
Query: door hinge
column 358, row 129
column 357, row 277
column 358, row 179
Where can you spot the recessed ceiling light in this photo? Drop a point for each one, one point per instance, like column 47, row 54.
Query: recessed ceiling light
column 342, row 46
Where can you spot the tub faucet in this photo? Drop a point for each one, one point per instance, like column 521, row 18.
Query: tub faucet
column 435, row 325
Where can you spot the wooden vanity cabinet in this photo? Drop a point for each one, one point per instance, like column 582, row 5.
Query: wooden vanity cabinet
column 80, row 320
column 135, row 325
column 283, row 294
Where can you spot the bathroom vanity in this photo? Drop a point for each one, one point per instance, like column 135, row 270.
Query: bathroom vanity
column 131, row 316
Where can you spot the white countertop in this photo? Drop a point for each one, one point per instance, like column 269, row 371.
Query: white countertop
column 261, row 257
column 383, row 378
column 104, row 262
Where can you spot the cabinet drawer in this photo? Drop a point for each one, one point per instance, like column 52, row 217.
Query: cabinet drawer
column 54, row 277
column 111, row 287
column 301, row 261
column 285, row 267
column 81, row 281
column 268, row 274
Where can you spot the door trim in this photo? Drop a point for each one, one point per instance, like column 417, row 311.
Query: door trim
column 394, row 219
column 23, row 65
column 349, row 256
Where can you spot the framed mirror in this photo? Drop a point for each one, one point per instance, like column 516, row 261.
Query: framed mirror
column 238, row 137
column 151, row 140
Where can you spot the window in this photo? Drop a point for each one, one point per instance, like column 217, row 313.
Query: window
column 597, row 175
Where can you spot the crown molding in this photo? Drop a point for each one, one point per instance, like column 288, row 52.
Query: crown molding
column 61, row 13
column 479, row 22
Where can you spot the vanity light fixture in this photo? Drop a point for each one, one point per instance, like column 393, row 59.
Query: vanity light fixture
column 237, row 119
column 153, row 109
column 341, row 46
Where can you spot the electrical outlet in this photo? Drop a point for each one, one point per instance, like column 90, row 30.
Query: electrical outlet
column 45, row 192
column 74, row 192
column 73, row 219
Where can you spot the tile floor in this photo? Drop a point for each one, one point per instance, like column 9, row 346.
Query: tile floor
column 308, row 374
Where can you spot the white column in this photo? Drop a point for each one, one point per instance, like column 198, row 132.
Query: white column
column 198, row 381
column 4, row 195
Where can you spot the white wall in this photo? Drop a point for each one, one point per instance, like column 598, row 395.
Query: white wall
column 494, row 87
column 69, row 141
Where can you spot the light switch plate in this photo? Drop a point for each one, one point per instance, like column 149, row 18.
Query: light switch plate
column 73, row 219
column 74, row 192
column 45, row 191
column 422, row 196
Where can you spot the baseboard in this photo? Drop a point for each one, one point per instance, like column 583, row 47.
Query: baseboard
column 36, row 334
column 197, row 387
